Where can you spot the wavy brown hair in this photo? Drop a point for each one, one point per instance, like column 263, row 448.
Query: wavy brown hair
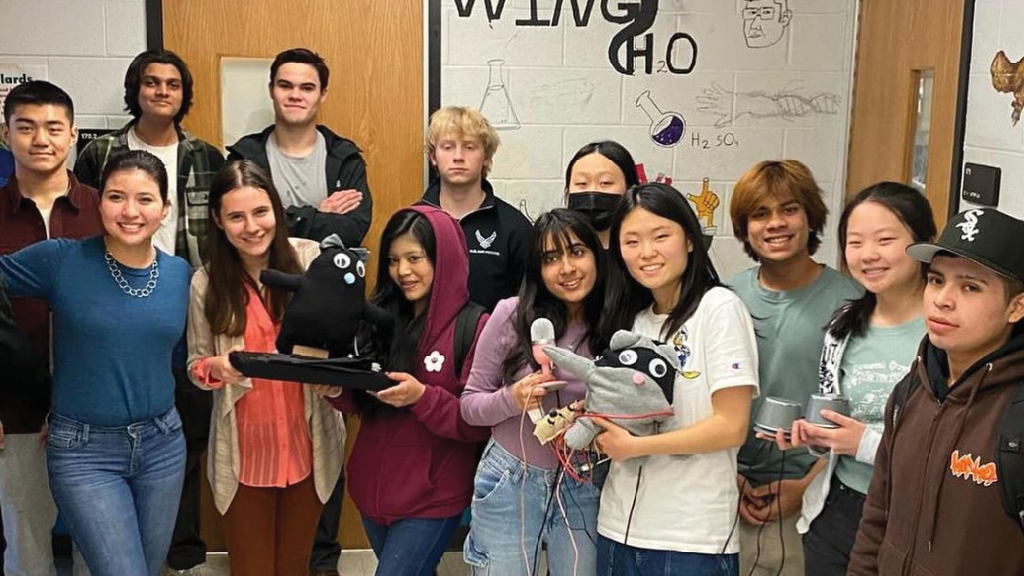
column 226, row 297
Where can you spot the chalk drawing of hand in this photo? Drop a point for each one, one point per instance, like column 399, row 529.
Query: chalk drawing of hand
column 790, row 106
column 716, row 101
column 759, row 104
column 825, row 103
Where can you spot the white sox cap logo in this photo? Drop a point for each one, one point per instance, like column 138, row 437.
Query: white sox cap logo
column 970, row 225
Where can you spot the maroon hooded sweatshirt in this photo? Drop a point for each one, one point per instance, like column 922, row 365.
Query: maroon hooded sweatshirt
column 420, row 462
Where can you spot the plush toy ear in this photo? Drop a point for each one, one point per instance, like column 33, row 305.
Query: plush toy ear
column 623, row 339
column 332, row 241
column 362, row 253
column 669, row 354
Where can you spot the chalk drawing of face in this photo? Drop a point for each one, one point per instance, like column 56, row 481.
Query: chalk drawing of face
column 765, row 22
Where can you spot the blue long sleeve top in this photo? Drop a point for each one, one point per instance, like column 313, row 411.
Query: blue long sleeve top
column 111, row 351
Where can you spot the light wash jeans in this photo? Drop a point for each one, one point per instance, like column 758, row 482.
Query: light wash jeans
column 118, row 489
column 505, row 537
column 28, row 509
column 615, row 559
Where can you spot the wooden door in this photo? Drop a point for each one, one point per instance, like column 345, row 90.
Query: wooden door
column 374, row 49
column 898, row 39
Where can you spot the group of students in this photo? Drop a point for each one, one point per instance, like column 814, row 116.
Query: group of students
column 702, row 496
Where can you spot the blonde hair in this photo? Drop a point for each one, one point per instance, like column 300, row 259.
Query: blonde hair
column 462, row 123
column 777, row 179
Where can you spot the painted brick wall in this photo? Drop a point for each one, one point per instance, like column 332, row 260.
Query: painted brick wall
column 565, row 93
column 989, row 136
column 83, row 46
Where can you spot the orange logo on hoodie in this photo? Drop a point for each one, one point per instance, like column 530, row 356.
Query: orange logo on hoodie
column 971, row 468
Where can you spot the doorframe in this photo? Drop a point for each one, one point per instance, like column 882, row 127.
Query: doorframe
column 154, row 24
column 960, row 123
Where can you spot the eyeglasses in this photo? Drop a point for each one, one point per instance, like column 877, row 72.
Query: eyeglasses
column 764, row 13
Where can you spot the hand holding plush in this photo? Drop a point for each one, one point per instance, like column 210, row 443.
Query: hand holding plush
column 633, row 380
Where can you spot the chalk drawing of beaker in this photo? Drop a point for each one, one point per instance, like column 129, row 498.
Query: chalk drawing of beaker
column 667, row 128
column 496, row 105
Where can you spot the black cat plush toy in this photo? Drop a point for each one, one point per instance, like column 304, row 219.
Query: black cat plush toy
column 316, row 343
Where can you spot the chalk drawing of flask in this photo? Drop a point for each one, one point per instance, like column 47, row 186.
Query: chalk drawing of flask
column 667, row 128
column 496, row 105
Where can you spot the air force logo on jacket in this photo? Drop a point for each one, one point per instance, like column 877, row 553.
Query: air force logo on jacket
column 485, row 243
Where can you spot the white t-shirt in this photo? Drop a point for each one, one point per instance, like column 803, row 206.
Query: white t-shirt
column 166, row 236
column 687, row 503
column 45, row 213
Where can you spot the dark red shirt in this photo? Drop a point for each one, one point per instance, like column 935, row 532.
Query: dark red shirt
column 74, row 215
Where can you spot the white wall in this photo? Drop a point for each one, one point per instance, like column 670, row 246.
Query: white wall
column 566, row 93
column 989, row 136
column 83, row 46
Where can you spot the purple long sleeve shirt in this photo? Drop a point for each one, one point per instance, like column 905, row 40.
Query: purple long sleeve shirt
column 486, row 400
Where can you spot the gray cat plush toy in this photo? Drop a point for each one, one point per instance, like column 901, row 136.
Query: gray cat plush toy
column 634, row 379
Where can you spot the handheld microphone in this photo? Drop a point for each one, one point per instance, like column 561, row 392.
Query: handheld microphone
column 542, row 333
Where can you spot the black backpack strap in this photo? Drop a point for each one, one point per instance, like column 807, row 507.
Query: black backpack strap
column 900, row 395
column 465, row 332
column 1010, row 456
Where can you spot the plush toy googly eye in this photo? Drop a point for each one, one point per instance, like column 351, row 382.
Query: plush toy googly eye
column 360, row 268
column 657, row 368
column 342, row 261
column 627, row 357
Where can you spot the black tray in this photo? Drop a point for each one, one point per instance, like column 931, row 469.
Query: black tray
column 353, row 373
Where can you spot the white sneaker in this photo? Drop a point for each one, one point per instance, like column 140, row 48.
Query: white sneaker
column 200, row 570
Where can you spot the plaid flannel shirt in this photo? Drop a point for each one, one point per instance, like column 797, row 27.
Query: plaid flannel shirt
column 198, row 162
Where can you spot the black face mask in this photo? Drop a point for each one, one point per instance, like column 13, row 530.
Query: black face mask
column 597, row 207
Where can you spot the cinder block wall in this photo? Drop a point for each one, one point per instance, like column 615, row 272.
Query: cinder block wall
column 83, row 46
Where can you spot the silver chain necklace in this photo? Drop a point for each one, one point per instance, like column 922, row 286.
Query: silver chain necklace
column 122, row 282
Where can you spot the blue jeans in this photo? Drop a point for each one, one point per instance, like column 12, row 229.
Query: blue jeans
column 410, row 547
column 616, row 559
column 118, row 489
column 516, row 508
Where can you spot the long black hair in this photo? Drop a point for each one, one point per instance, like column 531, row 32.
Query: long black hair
column 628, row 297
column 399, row 351
column 536, row 301
column 912, row 209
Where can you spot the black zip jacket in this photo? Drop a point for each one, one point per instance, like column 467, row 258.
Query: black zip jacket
column 496, row 237
column 345, row 169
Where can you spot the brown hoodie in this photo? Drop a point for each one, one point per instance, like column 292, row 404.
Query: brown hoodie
column 935, row 507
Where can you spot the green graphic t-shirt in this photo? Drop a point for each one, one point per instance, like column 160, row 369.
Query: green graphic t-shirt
column 872, row 365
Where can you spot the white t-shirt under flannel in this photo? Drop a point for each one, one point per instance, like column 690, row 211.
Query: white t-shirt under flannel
column 687, row 503
column 166, row 237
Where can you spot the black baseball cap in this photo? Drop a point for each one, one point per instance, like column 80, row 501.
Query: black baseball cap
column 983, row 235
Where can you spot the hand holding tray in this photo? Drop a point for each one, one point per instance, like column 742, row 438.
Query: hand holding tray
column 351, row 373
